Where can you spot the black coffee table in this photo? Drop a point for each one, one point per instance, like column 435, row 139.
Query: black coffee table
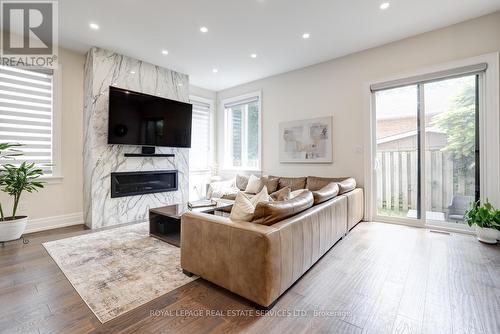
column 165, row 222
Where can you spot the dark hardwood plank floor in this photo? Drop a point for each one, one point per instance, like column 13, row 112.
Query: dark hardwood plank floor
column 379, row 279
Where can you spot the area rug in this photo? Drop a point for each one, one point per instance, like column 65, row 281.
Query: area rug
column 117, row 270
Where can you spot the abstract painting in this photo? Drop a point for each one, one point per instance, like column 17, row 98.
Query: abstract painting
column 306, row 141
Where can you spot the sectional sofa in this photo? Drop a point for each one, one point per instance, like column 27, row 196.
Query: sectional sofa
column 261, row 259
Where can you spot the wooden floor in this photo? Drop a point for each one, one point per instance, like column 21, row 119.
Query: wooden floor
column 379, row 279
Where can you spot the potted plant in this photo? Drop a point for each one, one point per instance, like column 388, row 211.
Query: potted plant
column 486, row 219
column 14, row 180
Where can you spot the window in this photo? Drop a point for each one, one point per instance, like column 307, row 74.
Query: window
column 201, row 135
column 242, row 125
column 201, row 151
column 26, row 115
column 427, row 146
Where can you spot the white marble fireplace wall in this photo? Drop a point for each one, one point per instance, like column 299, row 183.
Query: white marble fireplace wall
column 102, row 69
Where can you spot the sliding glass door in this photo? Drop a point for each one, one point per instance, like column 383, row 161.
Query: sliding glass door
column 397, row 152
column 426, row 164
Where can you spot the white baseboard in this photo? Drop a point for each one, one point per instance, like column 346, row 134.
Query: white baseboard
column 48, row 223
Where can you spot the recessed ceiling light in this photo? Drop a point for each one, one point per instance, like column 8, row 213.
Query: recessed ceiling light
column 306, row 35
column 94, row 26
column 180, row 84
column 215, row 70
column 204, row 29
column 132, row 72
column 384, row 5
column 164, row 52
column 253, row 55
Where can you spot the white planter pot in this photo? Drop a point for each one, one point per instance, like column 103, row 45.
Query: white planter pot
column 12, row 229
column 486, row 235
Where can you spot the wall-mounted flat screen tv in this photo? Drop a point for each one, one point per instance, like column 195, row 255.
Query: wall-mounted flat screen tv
column 148, row 120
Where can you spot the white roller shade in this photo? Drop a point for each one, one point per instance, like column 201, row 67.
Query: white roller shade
column 26, row 105
column 424, row 78
column 241, row 102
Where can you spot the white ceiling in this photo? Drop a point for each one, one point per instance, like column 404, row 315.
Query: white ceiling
column 237, row 28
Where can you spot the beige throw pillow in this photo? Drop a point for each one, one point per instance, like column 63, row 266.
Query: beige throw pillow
column 241, row 182
column 244, row 207
column 281, row 195
column 254, row 185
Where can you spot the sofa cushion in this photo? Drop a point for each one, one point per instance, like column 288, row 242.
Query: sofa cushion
column 294, row 183
column 281, row 195
column 241, row 182
column 347, row 185
column 316, row 183
column 244, row 206
column 273, row 212
column 327, row 192
column 270, row 182
column 296, row 193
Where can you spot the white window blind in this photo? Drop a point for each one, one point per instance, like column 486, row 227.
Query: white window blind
column 199, row 155
column 26, row 114
column 242, row 133
column 430, row 77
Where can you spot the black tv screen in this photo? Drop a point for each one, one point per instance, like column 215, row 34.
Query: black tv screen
column 148, row 120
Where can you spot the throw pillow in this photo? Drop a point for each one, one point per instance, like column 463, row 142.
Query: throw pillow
column 241, row 182
column 254, row 185
column 244, row 207
column 282, row 194
column 221, row 188
column 261, row 196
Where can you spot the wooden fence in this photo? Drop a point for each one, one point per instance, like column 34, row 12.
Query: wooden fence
column 397, row 181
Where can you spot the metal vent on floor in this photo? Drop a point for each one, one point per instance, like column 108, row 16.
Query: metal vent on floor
column 440, row 232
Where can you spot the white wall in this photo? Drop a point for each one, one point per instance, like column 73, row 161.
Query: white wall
column 202, row 92
column 338, row 88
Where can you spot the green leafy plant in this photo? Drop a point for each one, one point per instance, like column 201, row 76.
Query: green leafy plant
column 14, row 180
column 483, row 215
column 7, row 151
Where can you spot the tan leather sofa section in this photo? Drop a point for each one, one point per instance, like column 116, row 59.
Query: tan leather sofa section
column 256, row 261
column 355, row 207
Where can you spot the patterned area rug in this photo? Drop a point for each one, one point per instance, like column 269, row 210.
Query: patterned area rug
column 117, row 270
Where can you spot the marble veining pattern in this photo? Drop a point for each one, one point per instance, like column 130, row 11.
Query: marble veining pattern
column 104, row 68
column 117, row 270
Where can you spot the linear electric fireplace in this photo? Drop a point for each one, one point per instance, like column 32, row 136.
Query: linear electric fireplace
column 139, row 183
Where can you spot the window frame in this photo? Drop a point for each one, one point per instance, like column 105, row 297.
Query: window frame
column 57, row 171
column 488, row 137
column 56, row 122
column 211, row 145
column 227, row 147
